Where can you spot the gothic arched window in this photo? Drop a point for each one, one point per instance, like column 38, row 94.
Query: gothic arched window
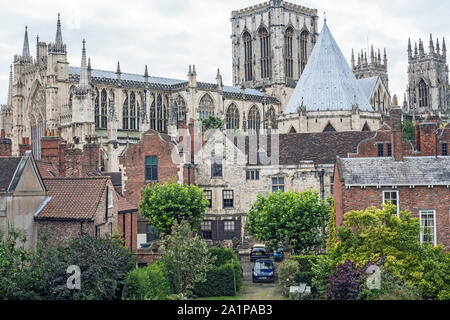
column 288, row 41
column 254, row 119
column 180, row 109
column 206, row 107
column 111, row 103
column 272, row 118
column 264, row 41
column 303, row 49
column 423, row 94
column 329, row 128
column 232, row 117
column 248, row 58
column 103, row 122
column 125, row 114
column 132, row 111
column 97, row 110
column 153, row 114
column 159, row 113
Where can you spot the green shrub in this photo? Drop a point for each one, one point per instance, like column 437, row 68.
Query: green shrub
column 286, row 274
column 151, row 282
column 322, row 269
column 303, row 277
column 305, row 262
column 220, row 278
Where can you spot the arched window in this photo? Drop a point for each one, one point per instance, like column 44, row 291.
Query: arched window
column 248, row 52
column 264, row 41
column 159, row 113
column 71, row 98
column 206, row 107
column 97, row 110
column 329, row 128
column 423, row 94
column 111, row 109
column 132, row 111
column 272, row 118
column 179, row 109
column 366, row 127
column 254, row 119
column 292, row 130
column 232, row 117
column 303, row 49
column 125, row 114
column 289, row 63
column 153, row 114
column 103, row 122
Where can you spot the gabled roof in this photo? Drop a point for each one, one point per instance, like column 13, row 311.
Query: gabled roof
column 125, row 206
column 328, row 82
column 8, row 166
column 73, row 198
column 47, row 170
column 412, row 171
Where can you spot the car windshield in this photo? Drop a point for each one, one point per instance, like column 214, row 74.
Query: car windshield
column 263, row 266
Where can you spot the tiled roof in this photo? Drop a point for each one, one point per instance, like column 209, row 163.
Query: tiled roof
column 412, row 171
column 320, row 148
column 73, row 198
column 125, row 206
column 47, row 170
column 328, row 82
column 8, row 166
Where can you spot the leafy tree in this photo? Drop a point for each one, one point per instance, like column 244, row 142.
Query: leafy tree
column 332, row 229
column 213, row 122
column 298, row 218
column 186, row 256
column 344, row 283
column 164, row 204
column 379, row 233
column 408, row 130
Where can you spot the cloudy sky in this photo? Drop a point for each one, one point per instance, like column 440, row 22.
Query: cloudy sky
column 168, row 35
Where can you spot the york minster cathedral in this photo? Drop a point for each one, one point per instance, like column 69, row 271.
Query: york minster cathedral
column 288, row 77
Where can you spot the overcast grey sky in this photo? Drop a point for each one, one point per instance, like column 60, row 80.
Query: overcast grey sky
column 168, row 35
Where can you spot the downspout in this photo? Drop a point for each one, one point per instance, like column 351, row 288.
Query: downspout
column 322, row 184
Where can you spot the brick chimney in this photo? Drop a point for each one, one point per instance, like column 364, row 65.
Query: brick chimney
column 427, row 138
column 24, row 146
column 50, row 147
column 91, row 157
column 5, row 145
column 396, row 124
column 72, row 165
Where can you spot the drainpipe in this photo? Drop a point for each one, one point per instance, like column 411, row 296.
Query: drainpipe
column 322, row 184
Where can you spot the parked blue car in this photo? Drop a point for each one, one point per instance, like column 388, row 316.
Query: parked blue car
column 278, row 255
column 263, row 271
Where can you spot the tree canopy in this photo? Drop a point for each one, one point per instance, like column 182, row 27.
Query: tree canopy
column 296, row 218
column 164, row 204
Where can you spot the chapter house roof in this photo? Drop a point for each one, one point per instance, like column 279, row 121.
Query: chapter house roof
column 328, row 82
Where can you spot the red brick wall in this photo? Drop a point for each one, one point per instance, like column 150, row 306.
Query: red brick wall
column 5, row 147
column 444, row 137
column 428, row 138
column 133, row 162
column 414, row 200
column 61, row 232
column 130, row 229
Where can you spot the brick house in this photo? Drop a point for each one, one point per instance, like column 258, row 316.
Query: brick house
column 78, row 206
column 413, row 175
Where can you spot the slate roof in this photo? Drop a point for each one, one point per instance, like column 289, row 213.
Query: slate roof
column 320, row 148
column 116, row 177
column 160, row 83
column 8, row 166
column 412, row 171
column 328, row 82
column 73, row 198
column 367, row 85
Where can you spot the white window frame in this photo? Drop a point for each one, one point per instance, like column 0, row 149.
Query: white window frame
column 110, row 199
column 428, row 211
column 398, row 199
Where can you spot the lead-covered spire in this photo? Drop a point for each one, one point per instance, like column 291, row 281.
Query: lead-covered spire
column 26, row 45
column 58, row 40
column 84, row 82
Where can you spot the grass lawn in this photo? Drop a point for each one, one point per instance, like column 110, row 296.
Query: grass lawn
column 238, row 296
